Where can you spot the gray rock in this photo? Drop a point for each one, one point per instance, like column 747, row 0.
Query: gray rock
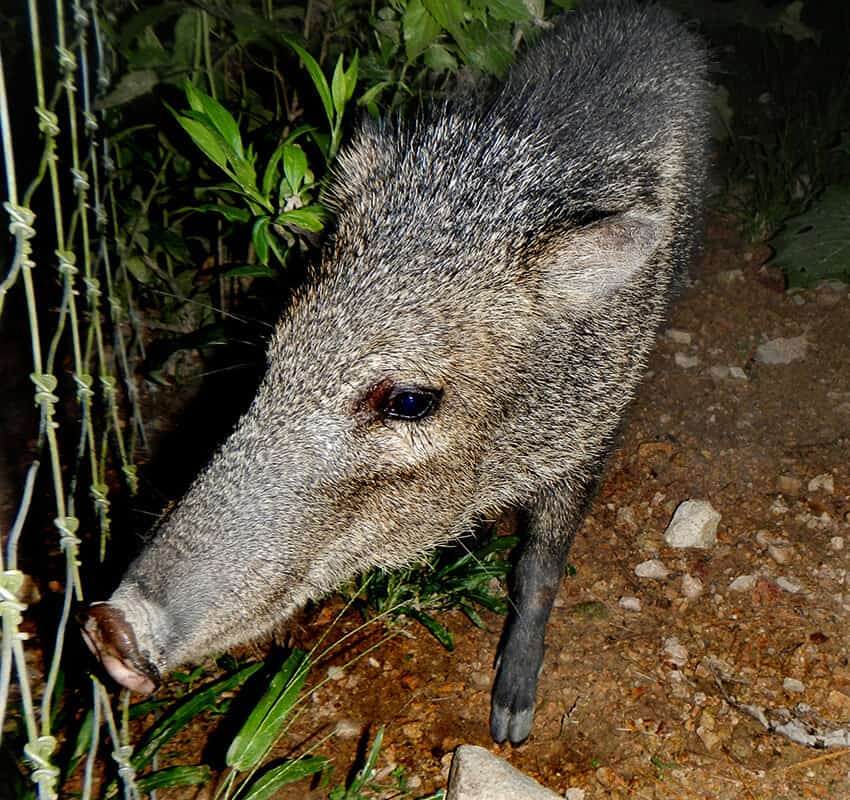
column 782, row 351
column 653, row 568
column 743, row 583
column 685, row 361
column 677, row 336
column 691, row 586
column 477, row 774
column 630, row 603
column 824, row 482
column 694, row 524
column 789, row 585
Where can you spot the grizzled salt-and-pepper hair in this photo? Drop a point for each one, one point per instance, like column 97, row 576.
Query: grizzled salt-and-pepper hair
column 466, row 346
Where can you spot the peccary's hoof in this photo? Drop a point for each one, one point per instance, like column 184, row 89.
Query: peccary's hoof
column 111, row 639
column 514, row 698
column 508, row 724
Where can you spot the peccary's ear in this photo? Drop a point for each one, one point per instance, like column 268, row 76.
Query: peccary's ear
column 593, row 261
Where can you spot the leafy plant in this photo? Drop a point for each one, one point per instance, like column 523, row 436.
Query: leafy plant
column 815, row 245
column 456, row 577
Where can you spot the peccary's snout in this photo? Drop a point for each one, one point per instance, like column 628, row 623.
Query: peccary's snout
column 111, row 638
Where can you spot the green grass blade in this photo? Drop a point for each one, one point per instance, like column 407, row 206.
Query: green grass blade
column 260, row 730
column 183, row 713
column 174, row 776
column 267, row 785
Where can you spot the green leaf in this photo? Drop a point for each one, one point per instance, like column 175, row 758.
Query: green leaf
column 249, row 271
column 343, row 83
column 267, row 785
column 815, row 246
column 139, row 269
column 205, row 138
column 316, row 75
column 420, row 29
column 351, row 76
column 131, row 85
column 230, row 213
column 448, row 13
column 152, row 15
column 439, row 59
column 439, row 631
column 274, row 245
column 261, row 729
column 508, row 10
column 219, row 117
column 373, row 93
column 174, row 776
column 338, row 87
column 185, row 38
column 311, row 218
column 489, row 50
column 294, row 165
column 182, row 715
column 259, row 237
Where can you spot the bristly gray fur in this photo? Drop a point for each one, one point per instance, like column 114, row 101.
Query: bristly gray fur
column 516, row 256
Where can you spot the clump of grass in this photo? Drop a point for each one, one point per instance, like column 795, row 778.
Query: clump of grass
column 466, row 576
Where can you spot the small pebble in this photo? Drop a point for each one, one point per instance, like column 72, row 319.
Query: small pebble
column 743, row 583
column 780, row 552
column 787, row 585
column 719, row 372
column 779, row 507
column 574, row 794
column 630, row 603
column 736, row 373
column 674, row 652
column 626, row 517
column 691, row 587
column 348, row 729
column 836, row 543
column 824, row 482
column 685, row 361
column 788, row 484
column 729, row 276
column 793, row 686
column 677, row 336
column 336, row 673
column 653, row 568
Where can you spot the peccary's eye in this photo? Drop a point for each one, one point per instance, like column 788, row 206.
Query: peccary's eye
column 411, row 403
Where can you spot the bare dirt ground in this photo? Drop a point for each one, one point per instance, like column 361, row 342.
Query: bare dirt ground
column 647, row 703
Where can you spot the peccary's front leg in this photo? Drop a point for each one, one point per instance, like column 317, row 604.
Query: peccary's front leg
column 551, row 523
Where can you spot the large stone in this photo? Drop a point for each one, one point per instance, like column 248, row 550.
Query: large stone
column 694, row 524
column 477, row 774
column 782, row 351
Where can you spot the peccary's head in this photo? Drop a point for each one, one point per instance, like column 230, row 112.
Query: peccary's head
column 473, row 330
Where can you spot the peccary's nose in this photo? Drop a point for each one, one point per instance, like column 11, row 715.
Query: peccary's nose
column 112, row 640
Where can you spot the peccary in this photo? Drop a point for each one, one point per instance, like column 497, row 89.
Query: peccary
column 467, row 345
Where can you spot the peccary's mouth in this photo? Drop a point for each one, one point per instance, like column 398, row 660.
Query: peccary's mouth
column 111, row 639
